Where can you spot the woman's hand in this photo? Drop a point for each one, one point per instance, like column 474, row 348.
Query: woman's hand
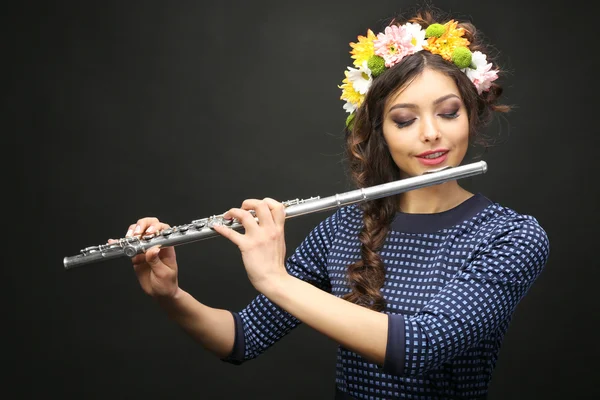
column 156, row 269
column 263, row 243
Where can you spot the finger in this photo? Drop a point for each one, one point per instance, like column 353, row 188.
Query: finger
column 265, row 219
column 245, row 218
column 139, row 228
column 152, row 254
column 168, row 257
column 138, row 259
column 153, row 257
column 249, row 204
column 168, row 254
column 130, row 230
column 154, row 227
column 277, row 210
column 143, row 224
column 235, row 237
column 157, row 262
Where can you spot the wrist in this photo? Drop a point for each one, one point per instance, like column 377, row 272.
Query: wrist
column 169, row 302
column 274, row 284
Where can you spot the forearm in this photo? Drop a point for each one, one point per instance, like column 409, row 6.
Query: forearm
column 354, row 327
column 213, row 328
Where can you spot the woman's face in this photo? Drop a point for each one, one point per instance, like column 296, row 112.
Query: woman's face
column 428, row 115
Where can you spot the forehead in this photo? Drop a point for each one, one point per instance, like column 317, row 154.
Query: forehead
column 425, row 88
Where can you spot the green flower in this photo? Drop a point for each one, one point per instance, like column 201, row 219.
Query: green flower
column 435, row 30
column 377, row 65
column 461, row 57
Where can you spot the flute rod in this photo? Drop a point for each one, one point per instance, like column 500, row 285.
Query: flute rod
column 202, row 229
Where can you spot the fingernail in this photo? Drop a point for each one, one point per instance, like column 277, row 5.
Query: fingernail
column 150, row 229
column 129, row 233
column 226, row 216
column 137, row 229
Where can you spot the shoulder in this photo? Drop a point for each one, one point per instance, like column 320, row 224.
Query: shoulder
column 346, row 215
column 501, row 217
column 503, row 226
column 341, row 219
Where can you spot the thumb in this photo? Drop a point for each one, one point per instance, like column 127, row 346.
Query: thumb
column 167, row 256
column 158, row 257
column 152, row 256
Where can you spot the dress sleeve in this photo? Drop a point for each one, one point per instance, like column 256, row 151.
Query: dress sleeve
column 483, row 294
column 262, row 323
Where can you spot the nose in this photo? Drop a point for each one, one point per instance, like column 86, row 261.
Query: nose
column 430, row 132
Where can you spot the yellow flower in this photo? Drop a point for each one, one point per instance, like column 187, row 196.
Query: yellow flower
column 364, row 49
column 445, row 44
column 352, row 97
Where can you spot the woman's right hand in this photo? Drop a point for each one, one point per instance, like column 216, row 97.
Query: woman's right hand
column 156, row 269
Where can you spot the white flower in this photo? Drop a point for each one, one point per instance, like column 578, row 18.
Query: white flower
column 483, row 75
column 479, row 60
column 417, row 34
column 350, row 107
column 361, row 78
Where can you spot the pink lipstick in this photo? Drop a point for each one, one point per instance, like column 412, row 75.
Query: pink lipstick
column 442, row 155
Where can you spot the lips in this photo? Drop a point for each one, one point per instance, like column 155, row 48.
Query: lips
column 433, row 161
column 428, row 152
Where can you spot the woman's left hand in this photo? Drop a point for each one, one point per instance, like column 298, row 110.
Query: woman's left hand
column 263, row 243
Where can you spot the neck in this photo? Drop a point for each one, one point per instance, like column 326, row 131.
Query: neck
column 433, row 199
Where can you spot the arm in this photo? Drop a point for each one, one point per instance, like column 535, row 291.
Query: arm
column 262, row 323
column 262, row 246
column 157, row 274
column 473, row 303
column 356, row 328
column 213, row 328
column 232, row 337
column 481, row 296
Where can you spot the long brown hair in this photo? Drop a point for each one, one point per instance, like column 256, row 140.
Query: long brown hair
column 370, row 162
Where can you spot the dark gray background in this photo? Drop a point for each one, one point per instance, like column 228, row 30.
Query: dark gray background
column 181, row 110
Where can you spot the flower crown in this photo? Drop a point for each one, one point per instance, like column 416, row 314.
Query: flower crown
column 374, row 54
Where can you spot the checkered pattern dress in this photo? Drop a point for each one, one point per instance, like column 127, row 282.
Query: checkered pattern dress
column 453, row 281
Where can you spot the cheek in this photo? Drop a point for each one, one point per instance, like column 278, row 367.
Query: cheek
column 396, row 143
column 465, row 131
column 461, row 139
column 395, row 138
column 460, row 131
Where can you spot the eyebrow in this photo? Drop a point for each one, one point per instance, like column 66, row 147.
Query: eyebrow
column 409, row 105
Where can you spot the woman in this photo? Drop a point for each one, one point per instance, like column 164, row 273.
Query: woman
column 419, row 288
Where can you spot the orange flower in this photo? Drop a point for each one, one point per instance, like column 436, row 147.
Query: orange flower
column 445, row 44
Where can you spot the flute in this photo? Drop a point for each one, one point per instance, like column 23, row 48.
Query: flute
column 201, row 229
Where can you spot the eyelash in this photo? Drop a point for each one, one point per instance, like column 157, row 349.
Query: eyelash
column 451, row 115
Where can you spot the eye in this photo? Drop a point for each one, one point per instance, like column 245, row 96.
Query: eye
column 402, row 124
column 451, row 115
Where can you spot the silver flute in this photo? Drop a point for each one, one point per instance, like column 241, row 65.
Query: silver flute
column 201, row 229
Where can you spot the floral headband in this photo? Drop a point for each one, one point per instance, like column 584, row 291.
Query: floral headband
column 374, row 54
